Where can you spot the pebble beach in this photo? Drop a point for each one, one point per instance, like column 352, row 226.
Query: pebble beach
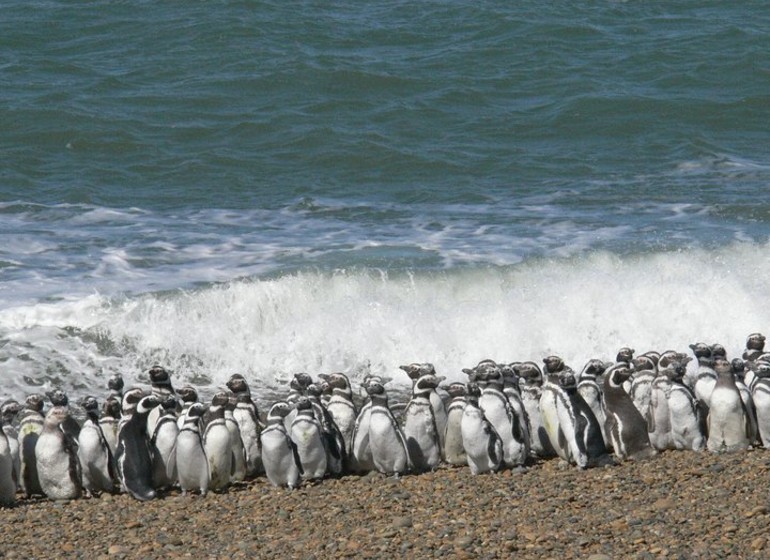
column 676, row 505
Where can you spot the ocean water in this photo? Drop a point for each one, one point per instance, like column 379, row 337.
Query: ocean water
column 270, row 187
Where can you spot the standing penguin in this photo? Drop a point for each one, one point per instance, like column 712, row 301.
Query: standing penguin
column 162, row 442
column 133, row 456
column 59, row 398
column 58, row 467
column 96, row 462
column 703, row 377
column 30, row 428
column 109, row 422
column 686, row 424
column 360, row 452
column 307, row 435
column 7, row 480
column 341, row 406
column 115, row 386
column 454, row 452
column 416, row 371
column 162, row 389
column 590, row 389
column 217, row 443
column 187, row 395
column 483, row 446
column 531, row 384
column 8, row 411
column 279, row 453
column 581, row 427
column 645, row 372
column 659, row 416
column 626, row 427
column 739, row 374
column 336, row 458
column 728, row 423
column 246, row 416
column 189, row 457
column 236, row 442
column 512, row 392
column 761, row 399
column 420, row 428
column 386, row 440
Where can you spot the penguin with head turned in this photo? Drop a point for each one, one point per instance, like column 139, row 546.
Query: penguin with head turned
column 7, row 479
column 307, row 435
column 531, row 385
column 482, row 444
column 416, row 371
column 246, row 416
column 361, row 460
column 218, row 444
column 162, row 442
column 761, row 400
column 703, row 378
column 341, row 406
column 626, row 427
column 581, row 427
column 30, row 428
column 109, row 421
column 644, row 375
column 686, row 424
column 59, row 399
column 133, row 455
column 9, row 410
column 420, row 429
column 162, row 389
column 728, row 422
column 589, row 385
column 454, row 452
column 188, row 395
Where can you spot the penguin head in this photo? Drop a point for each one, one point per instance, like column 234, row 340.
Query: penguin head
column 279, row 411
column 755, row 341
column 670, row 356
column 111, row 408
column 9, row 410
column 553, row 364
column 195, row 411
column 58, row 397
column 168, row 404
column 761, row 369
column 473, row 393
column 675, row 371
column 314, row 391
column 115, row 382
column 374, row 389
column 529, row 372
column 131, row 399
column 723, row 367
column 55, row 416
column 625, row 354
column 489, row 372
column 300, row 382
column 619, row 374
column 90, row 404
column 455, row 390
column 34, row 402
column 643, row 363
column 416, row 370
column 594, row 368
column 188, row 394
column 336, row 380
column 568, row 382
column 159, row 376
column 654, row 356
column 426, row 383
column 304, row 405
column 146, row 404
column 739, row 367
column 220, row 399
column 510, row 377
column 237, row 383
column 701, row 350
column 718, row 350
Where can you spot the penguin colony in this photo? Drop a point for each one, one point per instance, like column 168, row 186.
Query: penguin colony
column 146, row 442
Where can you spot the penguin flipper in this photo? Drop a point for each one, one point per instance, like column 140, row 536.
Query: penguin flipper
column 295, row 453
column 171, row 465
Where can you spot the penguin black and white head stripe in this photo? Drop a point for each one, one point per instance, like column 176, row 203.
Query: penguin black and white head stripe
column 416, row 370
column 701, row 350
column 115, row 384
column 761, row 369
column 426, row 383
column 652, row 355
column 34, row 402
column 90, row 405
column 58, row 398
column 618, row 375
column 643, row 363
column 625, row 354
column 594, row 368
column 160, row 376
column 130, row 399
column 9, row 410
column 529, row 373
column 111, row 408
column 670, row 356
column 552, row 365
column 455, row 390
column 338, row 382
column 195, row 412
column 300, row 382
column 739, row 367
column 718, row 350
column 237, row 384
column 755, row 341
column 278, row 412
column 146, row 404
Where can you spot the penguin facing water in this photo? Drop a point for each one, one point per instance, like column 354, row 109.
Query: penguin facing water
column 189, row 459
column 96, row 461
column 387, row 442
column 454, row 452
column 728, row 423
column 307, row 434
column 30, row 428
column 218, row 444
column 162, row 442
column 626, row 427
column 420, row 428
column 7, row 480
column 246, row 416
column 58, row 467
column 415, row 371
column 483, row 446
column 279, row 453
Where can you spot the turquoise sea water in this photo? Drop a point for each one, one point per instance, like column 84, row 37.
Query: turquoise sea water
column 272, row 187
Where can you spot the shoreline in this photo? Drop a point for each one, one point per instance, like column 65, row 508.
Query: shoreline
column 675, row 505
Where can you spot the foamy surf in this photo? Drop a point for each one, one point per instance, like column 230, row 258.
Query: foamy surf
column 371, row 321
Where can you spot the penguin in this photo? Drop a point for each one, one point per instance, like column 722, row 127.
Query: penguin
column 386, row 440
column 96, row 462
column 755, row 345
column 133, row 456
column 644, row 374
column 187, row 395
column 160, row 380
column 531, row 385
column 59, row 398
column 236, row 441
column 8, row 411
column 738, row 367
column 341, row 406
column 728, row 422
column 7, row 480
column 552, row 397
column 589, row 387
column 307, row 435
column 420, row 428
column 581, row 427
column 297, row 389
column 115, row 386
column 512, row 392
column 189, row 459
column 454, row 452
column 761, row 400
column 626, row 356
column 659, row 416
column 483, row 446
column 703, row 378
column 30, row 428
column 246, row 416
column 336, row 458
column 626, row 428
column 361, row 460
column 109, row 422
column 415, row 371
column 280, row 457
column 555, row 366
column 129, row 404
column 218, row 444
column 501, row 415
column 685, row 421
column 162, row 442
column 56, row 455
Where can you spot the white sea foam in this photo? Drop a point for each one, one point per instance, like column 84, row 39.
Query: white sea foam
column 270, row 328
